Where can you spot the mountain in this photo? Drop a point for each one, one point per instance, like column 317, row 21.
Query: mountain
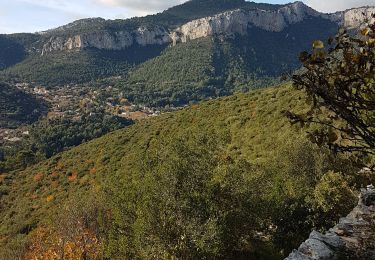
column 251, row 45
column 227, row 170
column 18, row 107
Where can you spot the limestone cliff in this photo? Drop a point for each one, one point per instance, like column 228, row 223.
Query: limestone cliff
column 352, row 238
column 108, row 40
column 355, row 18
column 227, row 23
column 238, row 21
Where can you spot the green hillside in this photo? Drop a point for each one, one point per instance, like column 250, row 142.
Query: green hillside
column 163, row 75
column 62, row 68
column 14, row 48
column 180, row 74
column 17, row 107
column 217, row 66
column 202, row 183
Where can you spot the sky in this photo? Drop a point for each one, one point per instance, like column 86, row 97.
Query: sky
column 39, row 15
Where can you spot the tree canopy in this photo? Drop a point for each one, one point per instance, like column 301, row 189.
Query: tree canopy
column 339, row 81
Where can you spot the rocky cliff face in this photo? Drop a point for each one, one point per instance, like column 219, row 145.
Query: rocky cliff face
column 352, row 238
column 227, row 23
column 239, row 21
column 356, row 18
column 109, row 40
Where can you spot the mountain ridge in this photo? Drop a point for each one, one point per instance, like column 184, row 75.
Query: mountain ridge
column 90, row 50
column 228, row 22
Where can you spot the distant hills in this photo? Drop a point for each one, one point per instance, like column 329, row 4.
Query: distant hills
column 248, row 44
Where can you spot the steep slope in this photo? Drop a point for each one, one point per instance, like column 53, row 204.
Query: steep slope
column 14, row 48
column 220, row 65
column 17, row 107
column 10, row 52
column 253, row 136
column 257, row 42
column 179, row 75
column 61, row 68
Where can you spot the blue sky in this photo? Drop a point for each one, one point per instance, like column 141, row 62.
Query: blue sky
column 39, row 15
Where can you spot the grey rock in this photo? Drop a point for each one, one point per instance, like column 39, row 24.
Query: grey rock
column 352, row 238
column 226, row 23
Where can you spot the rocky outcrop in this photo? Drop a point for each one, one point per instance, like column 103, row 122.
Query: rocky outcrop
column 238, row 21
column 227, row 23
column 109, row 40
column 352, row 238
column 355, row 18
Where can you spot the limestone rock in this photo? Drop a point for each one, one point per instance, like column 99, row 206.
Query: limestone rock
column 238, row 21
column 227, row 23
column 352, row 238
column 109, row 40
column 356, row 18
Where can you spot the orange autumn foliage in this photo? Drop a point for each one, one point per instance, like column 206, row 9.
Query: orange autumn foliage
column 52, row 244
column 73, row 234
column 73, row 176
column 54, row 175
column 93, row 171
column 2, row 178
column 50, row 198
column 38, row 177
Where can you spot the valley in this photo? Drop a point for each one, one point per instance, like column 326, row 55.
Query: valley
column 215, row 129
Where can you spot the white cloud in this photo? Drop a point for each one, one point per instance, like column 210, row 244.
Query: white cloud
column 330, row 6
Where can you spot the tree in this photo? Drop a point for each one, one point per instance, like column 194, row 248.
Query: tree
column 339, row 82
column 76, row 233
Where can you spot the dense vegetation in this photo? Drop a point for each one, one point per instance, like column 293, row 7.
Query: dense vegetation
column 14, row 48
column 212, row 67
column 74, row 67
column 10, row 52
column 48, row 137
column 18, row 107
column 181, row 74
column 188, row 72
column 228, row 178
column 178, row 75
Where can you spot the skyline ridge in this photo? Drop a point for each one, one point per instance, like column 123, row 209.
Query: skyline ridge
column 15, row 13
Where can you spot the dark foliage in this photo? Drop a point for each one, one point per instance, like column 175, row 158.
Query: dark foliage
column 10, row 52
column 342, row 81
column 63, row 68
column 48, row 137
column 18, row 107
column 218, row 66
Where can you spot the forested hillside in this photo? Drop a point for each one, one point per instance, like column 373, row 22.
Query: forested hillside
column 63, row 68
column 10, row 52
column 153, row 70
column 18, row 107
column 227, row 178
column 213, row 66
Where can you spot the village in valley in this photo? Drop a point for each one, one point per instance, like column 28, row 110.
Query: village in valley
column 72, row 102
